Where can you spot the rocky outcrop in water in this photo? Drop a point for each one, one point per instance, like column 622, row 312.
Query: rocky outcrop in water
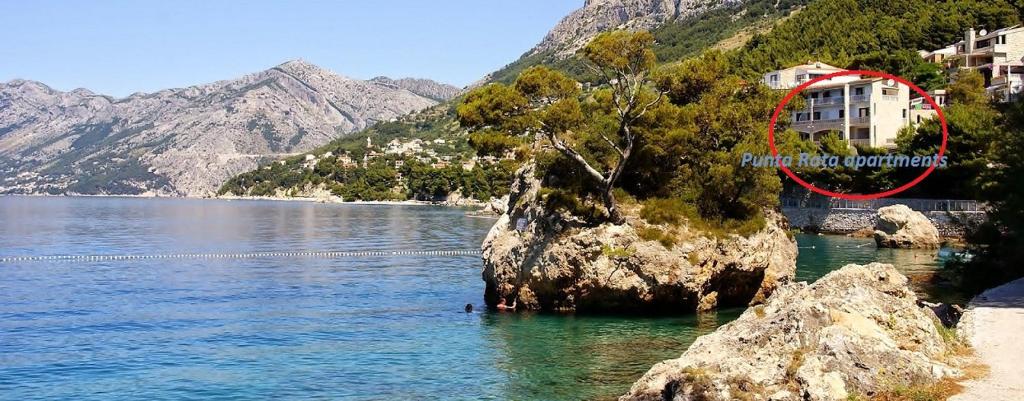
column 899, row 226
column 184, row 141
column 596, row 16
column 856, row 332
column 545, row 262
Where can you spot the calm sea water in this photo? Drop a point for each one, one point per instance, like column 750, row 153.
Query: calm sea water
column 367, row 328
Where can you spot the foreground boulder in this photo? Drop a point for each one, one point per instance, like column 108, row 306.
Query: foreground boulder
column 899, row 226
column 856, row 332
column 542, row 261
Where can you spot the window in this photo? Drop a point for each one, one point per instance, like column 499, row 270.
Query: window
column 864, row 112
column 842, row 113
column 904, row 113
column 858, row 91
column 817, row 115
column 774, row 78
column 814, row 95
column 827, row 94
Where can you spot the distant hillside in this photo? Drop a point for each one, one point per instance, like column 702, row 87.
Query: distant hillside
column 423, row 87
column 185, row 141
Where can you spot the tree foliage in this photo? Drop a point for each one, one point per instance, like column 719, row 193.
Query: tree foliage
column 548, row 103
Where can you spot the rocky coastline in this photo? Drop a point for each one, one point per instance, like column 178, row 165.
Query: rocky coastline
column 857, row 333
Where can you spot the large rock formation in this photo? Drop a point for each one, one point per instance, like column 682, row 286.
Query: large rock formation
column 183, row 141
column 596, row 16
column 856, row 332
column 542, row 261
column 899, row 226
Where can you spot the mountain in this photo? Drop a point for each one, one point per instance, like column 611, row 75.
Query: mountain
column 596, row 16
column 681, row 28
column 184, row 142
column 423, row 87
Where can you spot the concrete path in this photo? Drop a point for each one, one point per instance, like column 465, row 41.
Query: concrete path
column 996, row 331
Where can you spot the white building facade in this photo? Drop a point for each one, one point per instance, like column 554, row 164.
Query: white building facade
column 867, row 111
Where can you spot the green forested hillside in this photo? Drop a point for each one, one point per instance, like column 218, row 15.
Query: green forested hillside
column 881, row 34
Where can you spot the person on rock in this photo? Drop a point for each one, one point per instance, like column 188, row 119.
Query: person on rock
column 503, row 306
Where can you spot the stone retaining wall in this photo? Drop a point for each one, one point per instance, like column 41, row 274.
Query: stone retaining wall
column 845, row 221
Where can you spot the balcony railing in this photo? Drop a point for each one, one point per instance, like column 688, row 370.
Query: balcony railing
column 890, row 98
column 862, row 142
column 860, row 98
column 818, row 125
column 826, row 100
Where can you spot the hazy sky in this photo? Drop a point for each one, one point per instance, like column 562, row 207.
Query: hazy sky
column 121, row 47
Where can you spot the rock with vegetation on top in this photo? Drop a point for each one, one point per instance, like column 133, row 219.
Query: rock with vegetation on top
column 899, row 226
column 858, row 332
column 540, row 260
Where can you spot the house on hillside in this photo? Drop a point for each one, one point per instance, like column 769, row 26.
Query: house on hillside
column 997, row 55
column 864, row 110
column 920, row 110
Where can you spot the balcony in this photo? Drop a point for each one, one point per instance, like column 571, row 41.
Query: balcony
column 825, row 101
column 819, row 125
column 837, row 124
column 861, row 142
column 860, row 98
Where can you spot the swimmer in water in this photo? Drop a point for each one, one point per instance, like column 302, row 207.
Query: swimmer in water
column 503, row 306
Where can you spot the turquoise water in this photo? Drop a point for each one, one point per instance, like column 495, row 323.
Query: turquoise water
column 357, row 328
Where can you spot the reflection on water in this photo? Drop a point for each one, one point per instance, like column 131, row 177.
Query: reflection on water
column 567, row 357
column 305, row 328
column 820, row 254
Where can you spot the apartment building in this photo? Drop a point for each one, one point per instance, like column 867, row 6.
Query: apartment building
column 868, row 111
column 997, row 55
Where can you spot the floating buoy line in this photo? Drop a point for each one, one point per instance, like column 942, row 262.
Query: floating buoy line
column 249, row 255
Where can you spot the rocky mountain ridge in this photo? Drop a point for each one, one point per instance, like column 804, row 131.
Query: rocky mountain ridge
column 186, row 141
column 423, row 87
column 596, row 16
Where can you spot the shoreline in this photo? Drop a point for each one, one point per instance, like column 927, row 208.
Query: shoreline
column 332, row 199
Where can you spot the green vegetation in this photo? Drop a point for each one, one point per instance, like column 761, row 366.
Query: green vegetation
column 998, row 246
column 425, row 176
column 676, row 132
column 548, row 103
column 693, row 35
column 656, row 234
column 872, row 34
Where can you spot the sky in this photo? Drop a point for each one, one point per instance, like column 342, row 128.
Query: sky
column 121, row 47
